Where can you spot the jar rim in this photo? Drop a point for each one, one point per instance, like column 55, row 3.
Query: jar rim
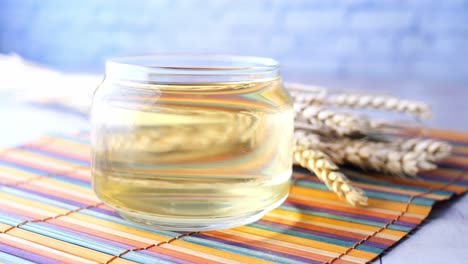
column 191, row 68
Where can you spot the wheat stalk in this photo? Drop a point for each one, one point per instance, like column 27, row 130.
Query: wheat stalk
column 327, row 171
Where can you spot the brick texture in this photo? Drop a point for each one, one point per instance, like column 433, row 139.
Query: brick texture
column 421, row 39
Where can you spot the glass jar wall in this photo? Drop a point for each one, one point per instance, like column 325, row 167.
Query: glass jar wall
column 192, row 142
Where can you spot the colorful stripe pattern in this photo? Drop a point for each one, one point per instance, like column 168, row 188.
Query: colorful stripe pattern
column 49, row 214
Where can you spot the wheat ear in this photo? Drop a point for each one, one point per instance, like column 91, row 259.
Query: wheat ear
column 303, row 93
column 306, row 94
column 387, row 103
column 379, row 157
column 435, row 150
column 387, row 157
column 327, row 171
column 331, row 121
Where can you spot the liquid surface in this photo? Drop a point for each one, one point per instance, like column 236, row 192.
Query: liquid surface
column 192, row 151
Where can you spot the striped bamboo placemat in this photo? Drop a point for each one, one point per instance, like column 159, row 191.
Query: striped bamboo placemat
column 49, row 214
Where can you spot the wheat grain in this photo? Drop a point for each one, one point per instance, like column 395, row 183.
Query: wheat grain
column 322, row 166
column 306, row 138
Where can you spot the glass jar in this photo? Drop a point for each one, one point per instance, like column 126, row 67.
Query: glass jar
column 192, row 142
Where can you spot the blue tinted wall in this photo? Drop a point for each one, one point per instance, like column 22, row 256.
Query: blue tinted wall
column 423, row 39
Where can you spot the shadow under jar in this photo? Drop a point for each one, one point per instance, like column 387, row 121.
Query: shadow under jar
column 192, row 142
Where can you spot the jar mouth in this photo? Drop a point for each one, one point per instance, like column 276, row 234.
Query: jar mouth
column 180, row 68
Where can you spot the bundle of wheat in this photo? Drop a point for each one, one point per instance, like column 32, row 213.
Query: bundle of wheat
column 326, row 137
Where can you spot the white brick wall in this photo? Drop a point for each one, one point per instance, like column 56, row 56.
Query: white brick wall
column 336, row 38
column 381, row 21
column 314, row 20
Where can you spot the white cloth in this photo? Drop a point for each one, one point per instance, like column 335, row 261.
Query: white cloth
column 24, row 80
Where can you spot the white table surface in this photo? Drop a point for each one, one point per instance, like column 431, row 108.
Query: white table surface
column 442, row 239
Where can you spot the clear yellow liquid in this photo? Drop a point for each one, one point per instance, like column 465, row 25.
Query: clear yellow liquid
column 204, row 151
